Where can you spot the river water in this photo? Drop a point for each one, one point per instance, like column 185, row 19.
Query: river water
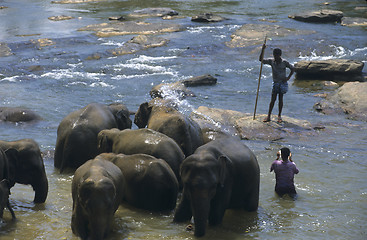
column 57, row 79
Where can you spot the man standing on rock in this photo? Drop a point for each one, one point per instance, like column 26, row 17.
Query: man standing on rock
column 280, row 79
column 284, row 173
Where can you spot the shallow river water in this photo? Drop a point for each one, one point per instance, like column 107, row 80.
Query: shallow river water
column 57, row 79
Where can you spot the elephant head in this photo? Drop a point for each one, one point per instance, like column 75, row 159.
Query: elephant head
column 142, row 115
column 206, row 191
column 105, row 140
column 26, row 167
column 122, row 115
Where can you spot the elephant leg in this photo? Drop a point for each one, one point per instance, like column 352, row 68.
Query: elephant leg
column 252, row 201
column 183, row 211
column 10, row 209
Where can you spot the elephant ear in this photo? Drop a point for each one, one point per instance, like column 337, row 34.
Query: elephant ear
column 104, row 142
column 13, row 157
column 142, row 115
column 225, row 168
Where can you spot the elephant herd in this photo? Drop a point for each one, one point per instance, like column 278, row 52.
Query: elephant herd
column 146, row 167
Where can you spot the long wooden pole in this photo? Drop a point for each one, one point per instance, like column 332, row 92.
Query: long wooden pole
column 258, row 85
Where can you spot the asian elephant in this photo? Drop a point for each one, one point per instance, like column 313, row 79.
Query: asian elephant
column 145, row 141
column 221, row 174
column 77, row 133
column 26, row 166
column 18, row 114
column 161, row 116
column 150, row 183
column 97, row 190
column 4, row 185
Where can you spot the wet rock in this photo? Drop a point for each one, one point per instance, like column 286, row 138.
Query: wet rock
column 76, row 1
column 207, row 17
column 118, row 18
column 17, row 114
column 200, row 81
column 3, row 7
column 60, row 18
column 154, row 12
column 4, row 50
column 139, row 43
column 350, row 99
column 333, row 69
column 115, row 28
column 322, row 16
column 354, row 21
column 242, row 124
column 43, row 42
column 176, row 90
column 254, row 34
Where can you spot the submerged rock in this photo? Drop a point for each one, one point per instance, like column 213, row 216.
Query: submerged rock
column 322, row 16
column 154, row 12
column 17, row 114
column 254, row 34
column 350, row 99
column 207, row 17
column 354, row 21
column 332, row 69
column 60, row 18
column 76, row 1
column 4, row 50
column 242, row 124
column 115, row 28
column 175, row 90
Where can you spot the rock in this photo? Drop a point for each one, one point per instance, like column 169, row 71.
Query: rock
column 351, row 99
column 119, row 18
column 139, row 43
column 333, row 69
column 17, row 114
column 43, row 42
column 154, row 12
column 175, row 90
column 116, row 28
column 254, row 34
column 354, row 21
column 207, row 17
column 3, row 7
column 76, row 1
column 322, row 16
column 242, row 124
column 200, row 81
column 60, row 18
column 5, row 50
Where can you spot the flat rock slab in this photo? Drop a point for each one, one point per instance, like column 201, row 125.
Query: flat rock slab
column 5, row 50
column 351, row 99
column 242, row 124
column 354, row 22
column 254, row 34
column 114, row 28
column 207, row 17
column 333, row 69
column 153, row 12
column 322, row 16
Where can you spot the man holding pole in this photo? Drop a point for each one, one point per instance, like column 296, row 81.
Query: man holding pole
column 280, row 79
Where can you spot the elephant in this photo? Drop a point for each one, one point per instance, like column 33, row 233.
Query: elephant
column 161, row 116
column 4, row 185
column 18, row 114
column 97, row 191
column 26, row 166
column 77, row 133
column 150, row 183
column 221, row 174
column 143, row 140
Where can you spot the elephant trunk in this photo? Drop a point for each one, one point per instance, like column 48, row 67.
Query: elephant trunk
column 200, row 206
column 41, row 189
column 99, row 227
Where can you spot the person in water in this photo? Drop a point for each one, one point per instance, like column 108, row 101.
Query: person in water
column 284, row 169
column 280, row 79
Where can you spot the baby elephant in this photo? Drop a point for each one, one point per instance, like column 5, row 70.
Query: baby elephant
column 150, row 183
column 97, row 189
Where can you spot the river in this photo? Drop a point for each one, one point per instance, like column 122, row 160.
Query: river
column 56, row 79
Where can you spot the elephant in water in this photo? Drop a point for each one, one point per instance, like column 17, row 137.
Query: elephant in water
column 18, row 114
column 145, row 141
column 150, row 183
column 221, row 174
column 97, row 191
column 26, row 166
column 4, row 185
column 161, row 116
column 77, row 133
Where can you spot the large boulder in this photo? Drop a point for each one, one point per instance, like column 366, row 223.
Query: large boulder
column 242, row 125
column 116, row 28
column 18, row 114
column 322, row 16
column 202, row 80
column 351, row 99
column 332, row 69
